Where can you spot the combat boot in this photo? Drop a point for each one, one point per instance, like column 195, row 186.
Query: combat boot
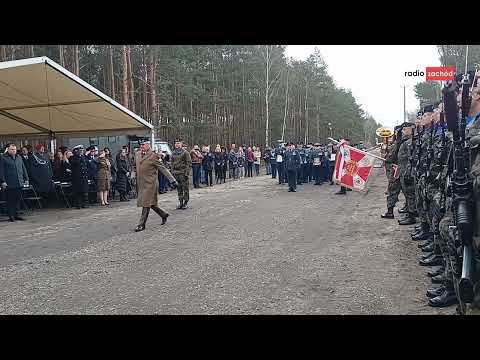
column 403, row 210
column 429, row 248
column 434, row 292
column 180, row 205
column 434, row 272
column 447, row 298
column 439, row 279
column 409, row 220
column 435, row 251
column 184, row 205
column 425, row 243
column 434, row 260
column 161, row 213
column 422, row 236
column 388, row 214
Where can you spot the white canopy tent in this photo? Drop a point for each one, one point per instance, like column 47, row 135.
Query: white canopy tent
column 40, row 98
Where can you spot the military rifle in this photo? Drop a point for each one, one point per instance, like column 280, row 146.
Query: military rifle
column 461, row 186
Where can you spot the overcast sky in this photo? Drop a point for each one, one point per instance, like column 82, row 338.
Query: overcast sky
column 375, row 74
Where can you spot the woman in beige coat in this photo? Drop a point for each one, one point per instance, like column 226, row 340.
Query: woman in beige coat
column 103, row 178
column 148, row 164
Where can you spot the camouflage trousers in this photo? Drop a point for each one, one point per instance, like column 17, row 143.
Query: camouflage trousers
column 445, row 240
column 183, row 187
column 419, row 186
column 408, row 189
column 393, row 190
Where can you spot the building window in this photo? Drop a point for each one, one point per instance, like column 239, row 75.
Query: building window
column 93, row 141
column 112, row 139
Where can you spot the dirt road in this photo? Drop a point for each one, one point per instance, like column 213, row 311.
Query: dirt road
column 247, row 247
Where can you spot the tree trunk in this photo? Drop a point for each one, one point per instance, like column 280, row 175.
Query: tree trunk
column 3, row 53
column 285, row 114
column 152, row 83
column 267, row 93
column 76, row 60
column 131, row 90
column 111, row 75
column 125, row 76
column 306, row 110
column 61, row 56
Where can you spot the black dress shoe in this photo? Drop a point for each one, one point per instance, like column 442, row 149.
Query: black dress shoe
column 432, row 261
column 140, row 228
column 403, row 210
column 184, row 205
column 341, row 193
column 435, row 272
column 447, row 298
column 11, row 219
column 439, row 279
column 164, row 219
column 19, row 218
column 432, row 293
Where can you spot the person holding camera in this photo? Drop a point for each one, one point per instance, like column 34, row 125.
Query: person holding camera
column 197, row 159
column 13, row 177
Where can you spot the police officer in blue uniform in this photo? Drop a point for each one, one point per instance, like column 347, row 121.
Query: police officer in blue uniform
column 279, row 153
column 317, row 163
column 302, row 168
column 273, row 162
column 292, row 163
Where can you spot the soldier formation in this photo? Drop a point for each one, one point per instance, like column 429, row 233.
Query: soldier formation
column 436, row 164
column 301, row 164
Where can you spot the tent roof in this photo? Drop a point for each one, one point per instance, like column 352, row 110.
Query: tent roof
column 38, row 96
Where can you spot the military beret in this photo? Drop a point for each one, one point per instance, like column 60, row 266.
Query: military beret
column 316, row 144
column 407, row 124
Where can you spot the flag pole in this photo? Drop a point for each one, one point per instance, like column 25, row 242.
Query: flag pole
column 361, row 151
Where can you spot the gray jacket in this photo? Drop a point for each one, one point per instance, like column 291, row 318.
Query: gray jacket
column 13, row 171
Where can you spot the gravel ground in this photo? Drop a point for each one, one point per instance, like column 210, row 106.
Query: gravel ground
column 245, row 247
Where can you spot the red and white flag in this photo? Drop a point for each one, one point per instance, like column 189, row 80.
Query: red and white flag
column 353, row 167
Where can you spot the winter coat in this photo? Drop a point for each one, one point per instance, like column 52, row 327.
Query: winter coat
column 232, row 159
column 41, row 173
column 63, row 172
column 103, row 169
column 148, row 166
column 208, row 160
column 92, row 167
column 79, row 166
column 123, row 168
column 12, row 171
column 196, row 157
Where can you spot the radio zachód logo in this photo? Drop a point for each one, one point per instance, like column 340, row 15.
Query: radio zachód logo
column 435, row 73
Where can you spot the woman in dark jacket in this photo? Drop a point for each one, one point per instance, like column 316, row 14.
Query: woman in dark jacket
column 79, row 176
column 225, row 163
column 123, row 170
column 219, row 158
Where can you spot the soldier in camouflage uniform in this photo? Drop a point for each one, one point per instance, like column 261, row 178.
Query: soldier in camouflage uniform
column 394, row 186
column 406, row 179
column 181, row 164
